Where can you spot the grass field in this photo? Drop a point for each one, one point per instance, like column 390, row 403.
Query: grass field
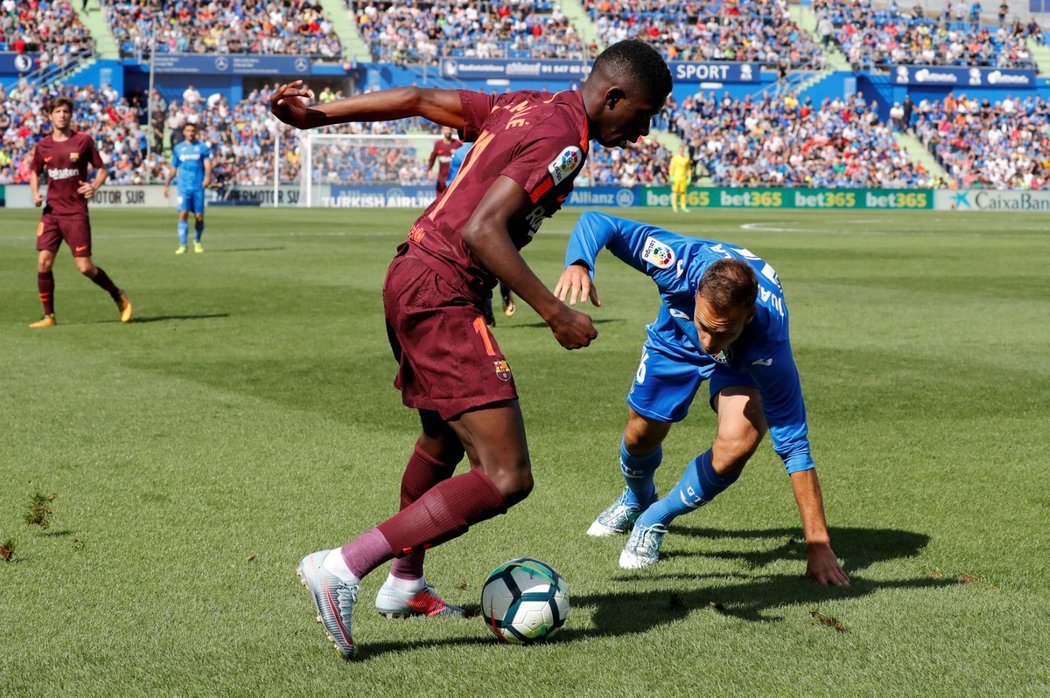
column 246, row 417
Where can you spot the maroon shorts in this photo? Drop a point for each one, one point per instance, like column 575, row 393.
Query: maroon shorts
column 74, row 229
column 449, row 361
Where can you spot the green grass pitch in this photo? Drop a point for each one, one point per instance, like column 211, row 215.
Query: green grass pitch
column 246, row 417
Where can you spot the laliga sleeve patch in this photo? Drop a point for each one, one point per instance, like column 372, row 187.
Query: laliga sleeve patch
column 657, row 253
column 567, row 162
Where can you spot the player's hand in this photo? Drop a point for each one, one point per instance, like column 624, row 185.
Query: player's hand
column 823, row 566
column 573, row 330
column 288, row 103
column 38, row 200
column 165, row 191
column 86, row 189
column 575, row 283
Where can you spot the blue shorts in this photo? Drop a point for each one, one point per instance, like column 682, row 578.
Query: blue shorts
column 191, row 200
column 664, row 385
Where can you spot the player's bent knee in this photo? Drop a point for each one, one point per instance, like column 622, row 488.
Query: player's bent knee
column 514, row 485
column 731, row 454
column 642, row 436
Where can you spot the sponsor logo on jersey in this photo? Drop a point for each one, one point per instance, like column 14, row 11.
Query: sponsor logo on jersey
column 567, row 162
column 657, row 253
column 55, row 173
column 502, row 370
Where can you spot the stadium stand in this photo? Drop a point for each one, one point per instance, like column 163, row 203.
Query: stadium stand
column 771, row 142
column 871, row 37
column 241, row 26
column 1005, row 145
column 421, row 32
column 110, row 119
column 50, row 28
column 733, row 30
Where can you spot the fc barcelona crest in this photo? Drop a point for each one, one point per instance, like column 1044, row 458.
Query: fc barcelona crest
column 74, row 156
column 502, row 370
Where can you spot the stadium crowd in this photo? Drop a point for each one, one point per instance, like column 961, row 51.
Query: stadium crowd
column 1005, row 145
column 764, row 142
column 756, row 31
column 780, row 142
column 423, row 31
column 48, row 27
column 297, row 27
column 112, row 120
column 871, row 37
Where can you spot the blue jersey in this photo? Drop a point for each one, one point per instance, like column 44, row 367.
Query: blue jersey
column 676, row 263
column 458, row 156
column 189, row 158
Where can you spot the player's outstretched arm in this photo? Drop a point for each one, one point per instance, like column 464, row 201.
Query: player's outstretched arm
column 487, row 234
column 575, row 283
column 290, row 104
column 822, row 565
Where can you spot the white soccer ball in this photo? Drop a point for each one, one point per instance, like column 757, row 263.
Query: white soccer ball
column 524, row 601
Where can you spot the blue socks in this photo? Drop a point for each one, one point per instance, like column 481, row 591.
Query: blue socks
column 198, row 230
column 698, row 486
column 638, row 474
column 184, row 232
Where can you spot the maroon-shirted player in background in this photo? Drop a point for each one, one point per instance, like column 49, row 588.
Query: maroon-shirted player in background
column 528, row 148
column 442, row 155
column 64, row 155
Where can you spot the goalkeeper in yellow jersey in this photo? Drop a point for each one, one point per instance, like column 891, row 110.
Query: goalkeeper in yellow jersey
column 681, row 172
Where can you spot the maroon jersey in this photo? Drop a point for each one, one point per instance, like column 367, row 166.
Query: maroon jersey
column 66, row 165
column 442, row 153
column 538, row 139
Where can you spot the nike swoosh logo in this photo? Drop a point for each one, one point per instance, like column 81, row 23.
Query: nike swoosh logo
column 81, row 248
column 677, row 314
column 762, row 362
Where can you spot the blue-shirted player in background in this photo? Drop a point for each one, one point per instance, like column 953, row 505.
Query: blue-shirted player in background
column 723, row 319
column 191, row 161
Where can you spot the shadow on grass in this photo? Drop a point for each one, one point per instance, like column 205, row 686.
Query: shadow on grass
column 749, row 597
column 543, row 325
column 164, row 318
column 245, row 249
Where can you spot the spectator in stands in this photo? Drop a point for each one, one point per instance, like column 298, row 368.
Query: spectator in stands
column 897, row 116
column 191, row 96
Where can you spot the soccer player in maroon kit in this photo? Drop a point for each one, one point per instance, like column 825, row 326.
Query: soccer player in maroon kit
column 442, row 154
column 528, row 148
column 64, row 155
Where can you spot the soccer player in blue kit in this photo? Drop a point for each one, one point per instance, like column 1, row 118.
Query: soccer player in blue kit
column 723, row 319
column 191, row 160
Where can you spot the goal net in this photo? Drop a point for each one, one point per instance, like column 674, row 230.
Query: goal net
column 366, row 170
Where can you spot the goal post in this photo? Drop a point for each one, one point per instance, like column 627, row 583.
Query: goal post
column 344, row 169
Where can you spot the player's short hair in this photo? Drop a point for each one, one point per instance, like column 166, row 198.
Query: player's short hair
column 60, row 102
column 729, row 284
column 190, row 124
column 637, row 62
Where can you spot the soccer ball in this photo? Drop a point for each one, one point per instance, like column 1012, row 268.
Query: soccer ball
column 524, row 601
